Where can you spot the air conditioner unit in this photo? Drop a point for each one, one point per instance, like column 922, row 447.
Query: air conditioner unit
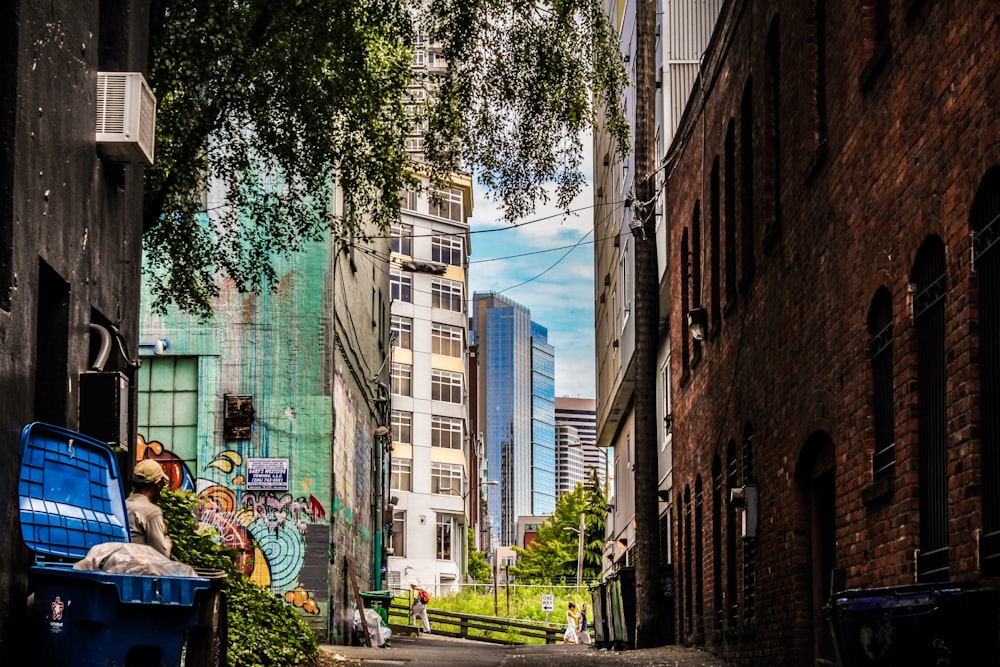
column 126, row 117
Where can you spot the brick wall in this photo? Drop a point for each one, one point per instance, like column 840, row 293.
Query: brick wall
column 864, row 145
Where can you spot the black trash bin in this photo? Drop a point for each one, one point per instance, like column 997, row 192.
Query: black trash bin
column 918, row 626
column 599, row 622
column 71, row 499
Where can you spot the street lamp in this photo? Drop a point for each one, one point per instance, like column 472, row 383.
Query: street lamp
column 579, row 549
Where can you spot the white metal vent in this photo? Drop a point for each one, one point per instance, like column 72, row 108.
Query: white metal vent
column 126, row 117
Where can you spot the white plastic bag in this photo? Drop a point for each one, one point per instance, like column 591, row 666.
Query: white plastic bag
column 129, row 558
column 378, row 634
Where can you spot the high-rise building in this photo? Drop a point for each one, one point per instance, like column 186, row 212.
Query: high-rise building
column 516, row 411
column 577, row 454
column 431, row 478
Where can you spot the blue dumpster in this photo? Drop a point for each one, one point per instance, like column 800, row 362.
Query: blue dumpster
column 920, row 625
column 71, row 498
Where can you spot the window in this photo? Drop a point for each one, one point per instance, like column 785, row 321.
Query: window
column 402, row 470
column 447, row 249
column 400, row 286
column 401, row 238
column 446, row 386
column 714, row 244
column 402, row 383
column 445, row 525
column 447, row 294
column 168, row 402
column 402, row 427
column 446, row 479
column 447, row 204
column 729, row 213
column 747, row 242
column 626, row 284
column 446, row 340
column 985, row 214
column 880, row 356
column 446, row 432
column 403, row 328
column 928, row 279
column 397, row 538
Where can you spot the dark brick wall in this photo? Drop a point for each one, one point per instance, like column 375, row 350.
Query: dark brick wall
column 883, row 133
column 70, row 232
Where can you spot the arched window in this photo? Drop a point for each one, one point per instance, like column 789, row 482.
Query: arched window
column 696, row 251
column 732, row 528
column 685, row 268
column 985, row 223
column 928, row 288
column 747, row 262
column 699, row 558
column 749, row 543
column 715, row 263
column 718, row 504
column 688, row 564
column 729, row 214
column 880, row 355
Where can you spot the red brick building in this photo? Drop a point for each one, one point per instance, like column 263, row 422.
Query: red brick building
column 832, row 197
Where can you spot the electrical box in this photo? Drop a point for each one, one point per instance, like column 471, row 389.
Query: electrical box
column 104, row 407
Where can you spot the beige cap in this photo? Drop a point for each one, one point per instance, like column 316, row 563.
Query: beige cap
column 148, row 471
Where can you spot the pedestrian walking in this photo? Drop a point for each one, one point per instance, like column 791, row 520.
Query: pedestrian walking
column 583, row 634
column 569, row 636
column 419, row 607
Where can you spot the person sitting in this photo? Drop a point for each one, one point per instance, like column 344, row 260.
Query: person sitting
column 145, row 518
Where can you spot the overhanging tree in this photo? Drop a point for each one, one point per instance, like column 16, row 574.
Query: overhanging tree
column 275, row 102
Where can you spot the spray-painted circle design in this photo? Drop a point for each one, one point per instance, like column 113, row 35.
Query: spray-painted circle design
column 284, row 549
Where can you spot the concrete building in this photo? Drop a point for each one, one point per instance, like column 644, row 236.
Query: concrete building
column 516, row 398
column 833, row 191
column 70, row 249
column 432, row 477
column 272, row 412
column 684, row 29
column 577, row 455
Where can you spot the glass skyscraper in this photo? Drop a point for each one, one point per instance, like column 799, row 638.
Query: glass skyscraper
column 516, row 411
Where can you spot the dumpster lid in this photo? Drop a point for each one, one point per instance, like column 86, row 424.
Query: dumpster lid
column 70, row 493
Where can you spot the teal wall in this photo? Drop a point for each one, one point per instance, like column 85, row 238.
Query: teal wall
column 276, row 348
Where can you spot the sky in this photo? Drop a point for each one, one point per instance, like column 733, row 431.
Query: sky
column 562, row 300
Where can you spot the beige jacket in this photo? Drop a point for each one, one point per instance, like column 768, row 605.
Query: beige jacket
column 145, row 520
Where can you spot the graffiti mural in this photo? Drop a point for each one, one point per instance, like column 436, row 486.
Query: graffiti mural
column 267, row 529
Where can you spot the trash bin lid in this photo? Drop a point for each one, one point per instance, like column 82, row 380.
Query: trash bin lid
column 70, row 493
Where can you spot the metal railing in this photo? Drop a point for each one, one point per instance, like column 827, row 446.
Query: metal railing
column 492, row 629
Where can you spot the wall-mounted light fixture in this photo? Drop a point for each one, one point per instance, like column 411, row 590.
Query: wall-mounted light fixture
column 698, row 323
column 381, row 431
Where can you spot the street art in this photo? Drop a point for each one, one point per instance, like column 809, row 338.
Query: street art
column 266, row 529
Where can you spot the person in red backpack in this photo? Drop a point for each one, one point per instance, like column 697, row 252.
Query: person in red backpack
column 419, row 606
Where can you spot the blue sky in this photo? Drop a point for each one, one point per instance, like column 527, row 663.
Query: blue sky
column 562, row 299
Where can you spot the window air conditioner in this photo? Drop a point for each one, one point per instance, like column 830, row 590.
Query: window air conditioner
column 126, row 117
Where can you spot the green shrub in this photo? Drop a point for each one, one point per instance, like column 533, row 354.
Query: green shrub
column 263, row 630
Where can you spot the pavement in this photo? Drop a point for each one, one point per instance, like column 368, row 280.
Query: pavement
column 436, row 650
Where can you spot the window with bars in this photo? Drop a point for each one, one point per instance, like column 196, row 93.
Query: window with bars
column 446, row 386
column 699, row 557
column 402, row 379
column 402, row 474
column 401, row 238
column 446, row 432
column 880, row 356
column 928, row 285
column 985, row 213
column 718, row 505
column 402, row 427
column 749, row 543
column 400, row 285
column 444, row 532
column 403, row 328
column 448, row 249
column 688, row 564
column 447, row 340
column 447, row 294
column 397, row 538
column 446, row 479
column 447, row 204
column 732, row 482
